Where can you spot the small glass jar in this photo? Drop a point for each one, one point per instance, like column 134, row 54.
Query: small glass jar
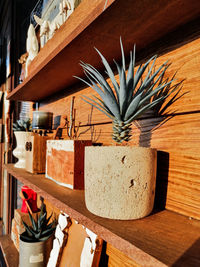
column 42, row 120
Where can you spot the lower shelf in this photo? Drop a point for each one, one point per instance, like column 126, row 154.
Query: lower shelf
column 9, row 251
column 162, row 239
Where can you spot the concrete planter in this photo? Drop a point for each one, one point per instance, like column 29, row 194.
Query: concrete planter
column 120, row 181
column 34, row 254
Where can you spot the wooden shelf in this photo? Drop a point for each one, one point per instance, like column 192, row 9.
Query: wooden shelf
column 9, row 251
column 161, row 239
column 94, row 24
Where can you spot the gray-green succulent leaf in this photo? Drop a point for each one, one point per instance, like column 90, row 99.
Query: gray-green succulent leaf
column 137, row 92
column 39, row 230
column 22, row 125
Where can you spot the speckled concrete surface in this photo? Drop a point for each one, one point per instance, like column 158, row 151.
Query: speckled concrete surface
column 120, row 181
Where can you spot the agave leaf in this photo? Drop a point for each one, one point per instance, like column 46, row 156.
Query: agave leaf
column 102, row 105
column 48, row 232
column 133, row 106
column 41, row 219
column 38, row 234
column 149, row 80
column 166, row 90
column 48, row 219
column 20, row 123
column 159, row 81
column 87, row 83
column 92, row 85
column 123, row 93
column 153, row 92
column 109, row 70
column 143, row 109
column 162, row 92
column 30, row 231
column 32, row 222
column 111, row 117
column 105, row 86
column 119, row 69
column 109, row 101
column 141, row 70
column 50, row 225
column 123, row 57
column 149, row 72
column 26, row 238
column 130, row 77
column 172, row 100
column 137, row 93
column 99, row 77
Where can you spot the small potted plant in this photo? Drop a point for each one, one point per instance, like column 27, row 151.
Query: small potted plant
column 22, row 129
column 36, row 242
column 120, row 180
column 65, row 158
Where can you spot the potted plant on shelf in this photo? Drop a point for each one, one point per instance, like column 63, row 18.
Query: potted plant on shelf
column 22, row 129
column 65, row 158
column 36, row 243
column 120, row 180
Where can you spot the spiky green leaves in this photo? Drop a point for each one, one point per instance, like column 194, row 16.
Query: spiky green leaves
column 39, row 230
column 138, row 91
column 22, row 125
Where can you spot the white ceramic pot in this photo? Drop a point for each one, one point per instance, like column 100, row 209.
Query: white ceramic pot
column 19, row 152
column 35, row 254
column 120, row 181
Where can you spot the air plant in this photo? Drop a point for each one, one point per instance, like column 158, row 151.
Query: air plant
column 40, row 230
column 22, row 125
column 137, row 92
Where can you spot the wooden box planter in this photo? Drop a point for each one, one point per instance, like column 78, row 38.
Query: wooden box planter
column 36, row 153
column 65, row 162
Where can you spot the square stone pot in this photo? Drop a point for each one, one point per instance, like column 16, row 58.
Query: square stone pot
column 65, row 162
column 120, row 181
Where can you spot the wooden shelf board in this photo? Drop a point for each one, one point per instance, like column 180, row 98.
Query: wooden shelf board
column 161, row 239
column 93, row 24
column 9, row 251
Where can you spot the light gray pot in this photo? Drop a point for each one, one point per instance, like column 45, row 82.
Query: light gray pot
column 34, row 254
column 120, row 181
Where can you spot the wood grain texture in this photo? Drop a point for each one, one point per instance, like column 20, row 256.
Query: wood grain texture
column 177, row 142
column 116, row 258
column 36, row 153
column 185, row 63
column 161, row 239
column 178, row 138
column 9, row 251
column 57, row 62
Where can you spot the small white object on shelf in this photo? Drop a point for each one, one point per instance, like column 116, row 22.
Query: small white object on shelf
column 31, row 47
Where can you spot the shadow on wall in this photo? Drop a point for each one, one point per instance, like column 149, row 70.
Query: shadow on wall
column 161, row 180
column 190, row 257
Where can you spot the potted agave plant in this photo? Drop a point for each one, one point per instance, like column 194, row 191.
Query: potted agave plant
column 36, row 243
column 120, row 180
column 22, row 129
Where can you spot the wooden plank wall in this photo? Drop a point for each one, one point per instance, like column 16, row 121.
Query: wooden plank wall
column 177, row 141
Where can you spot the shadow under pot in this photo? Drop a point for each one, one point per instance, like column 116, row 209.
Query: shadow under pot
column 120, row 181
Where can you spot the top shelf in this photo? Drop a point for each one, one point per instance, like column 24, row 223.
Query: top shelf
column 162, row 239
column 99, row 24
